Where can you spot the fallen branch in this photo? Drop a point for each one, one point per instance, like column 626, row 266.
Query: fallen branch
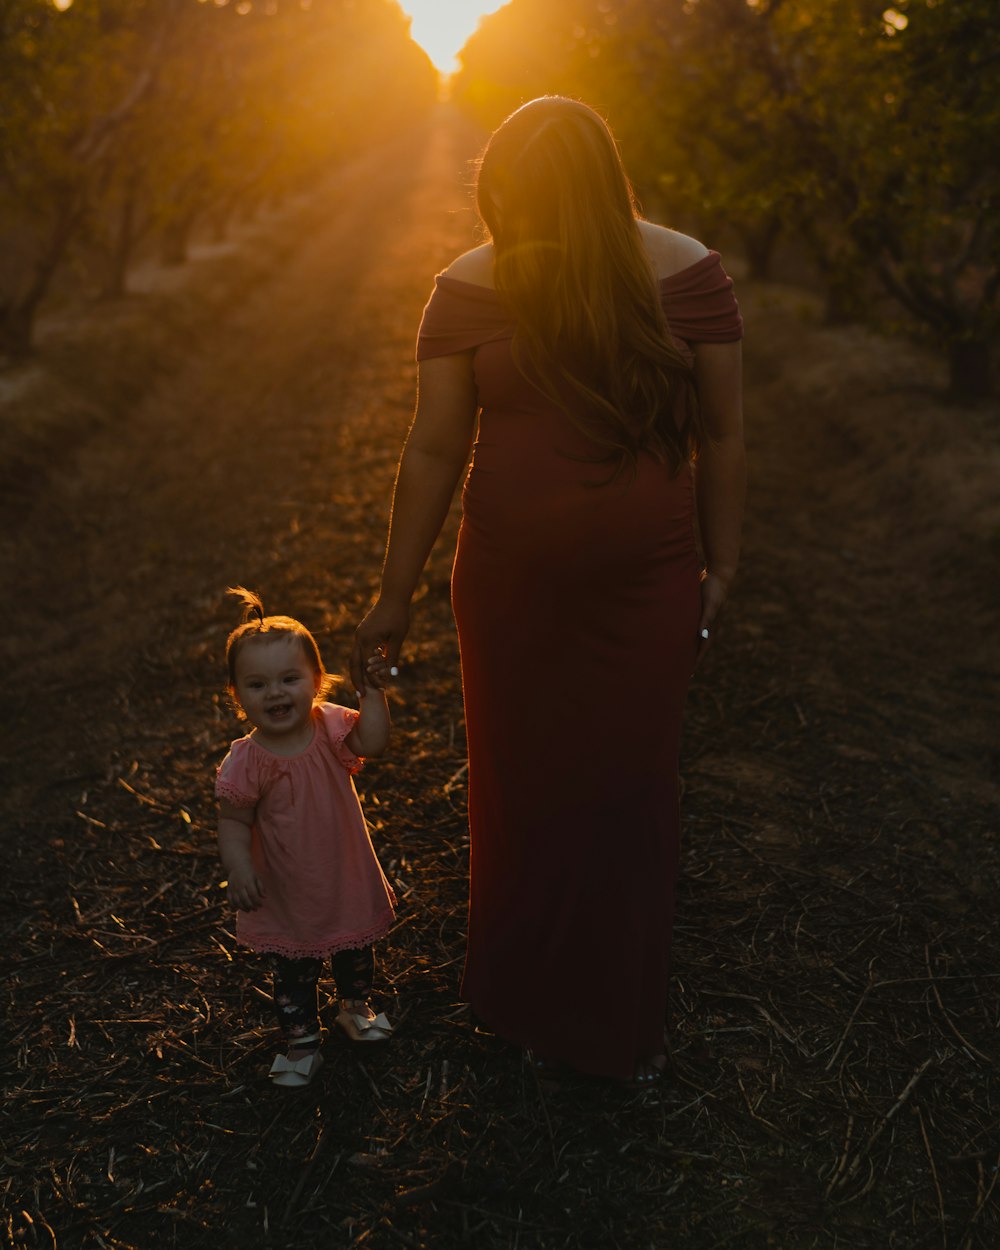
column 894, row 1110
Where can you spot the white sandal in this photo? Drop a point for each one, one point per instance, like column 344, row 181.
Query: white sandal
column 297, row 1072
column 361, row 1028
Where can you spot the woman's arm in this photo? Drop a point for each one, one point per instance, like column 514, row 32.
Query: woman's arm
column 244, row 889
column 433, row 458
column 720, row 471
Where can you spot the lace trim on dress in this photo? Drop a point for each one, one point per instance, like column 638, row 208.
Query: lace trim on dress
column 353, row 942
column 336, row 731
column 226, row 790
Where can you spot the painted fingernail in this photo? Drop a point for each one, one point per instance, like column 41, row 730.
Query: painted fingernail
column 704, row 633
column 394, row 671
column 357, row 694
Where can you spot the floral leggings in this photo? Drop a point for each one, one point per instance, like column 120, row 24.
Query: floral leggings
column 295, row 1005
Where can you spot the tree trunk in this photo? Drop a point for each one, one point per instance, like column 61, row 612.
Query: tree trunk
column 221, row 217
column 174, row 240
column 17, row 312
column 17, row 329
column 759, row 242
column 844, row 302
column 969, row 369
column 122, row 245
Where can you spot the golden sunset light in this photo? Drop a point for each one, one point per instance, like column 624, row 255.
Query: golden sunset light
column 501, row 624
column 441, row 27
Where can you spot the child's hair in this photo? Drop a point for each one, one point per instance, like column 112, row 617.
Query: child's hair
column 257, row 625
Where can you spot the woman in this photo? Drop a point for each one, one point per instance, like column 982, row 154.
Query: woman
column 600, row 353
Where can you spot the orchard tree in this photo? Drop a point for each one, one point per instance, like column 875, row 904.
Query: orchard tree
column 930, row 216
column 879, row 155
column 531, row 48
column 123, row 117
column 71, row 81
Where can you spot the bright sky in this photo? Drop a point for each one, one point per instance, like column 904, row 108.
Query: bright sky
column 441, row 27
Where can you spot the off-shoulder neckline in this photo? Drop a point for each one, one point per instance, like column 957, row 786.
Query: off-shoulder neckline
column 710, row 257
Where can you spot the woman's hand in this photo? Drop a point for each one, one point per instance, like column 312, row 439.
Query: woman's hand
column 383, row 630
column 714, row 590
column 719, row 476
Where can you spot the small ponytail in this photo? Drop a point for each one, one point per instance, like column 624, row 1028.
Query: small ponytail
column 253, row 605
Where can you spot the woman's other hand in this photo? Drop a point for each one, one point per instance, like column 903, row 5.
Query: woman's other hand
column 713, row 595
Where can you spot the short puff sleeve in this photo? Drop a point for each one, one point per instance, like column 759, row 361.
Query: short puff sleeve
column 238, row 779
column 337, row 724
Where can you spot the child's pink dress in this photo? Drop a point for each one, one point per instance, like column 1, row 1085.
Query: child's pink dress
column 324, row 890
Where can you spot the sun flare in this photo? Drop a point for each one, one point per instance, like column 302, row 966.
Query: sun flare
column 441, row 27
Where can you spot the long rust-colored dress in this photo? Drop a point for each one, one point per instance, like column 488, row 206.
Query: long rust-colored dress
column 577, row 609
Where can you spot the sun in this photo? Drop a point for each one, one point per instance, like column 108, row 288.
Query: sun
column 441, row 27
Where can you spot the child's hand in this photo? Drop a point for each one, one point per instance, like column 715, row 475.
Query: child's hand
column 370, row 734
column 377, row 671
column 244, row 889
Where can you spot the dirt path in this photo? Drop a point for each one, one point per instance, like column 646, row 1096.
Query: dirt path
column 837, row 948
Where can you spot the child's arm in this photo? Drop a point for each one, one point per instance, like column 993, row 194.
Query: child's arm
column 244, row 889
column 370, row 735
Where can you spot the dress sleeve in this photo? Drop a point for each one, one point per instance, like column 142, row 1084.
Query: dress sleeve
column 238, row 778
column 700, row 305
column 338, row 722
column 460, row 316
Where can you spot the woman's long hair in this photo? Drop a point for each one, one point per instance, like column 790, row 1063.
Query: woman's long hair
column 569, row 259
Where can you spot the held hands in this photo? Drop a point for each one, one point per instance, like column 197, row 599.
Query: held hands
column 378, row 671
column 369, row 736
column 244, row 890
column 382, row 633
column 714, row 590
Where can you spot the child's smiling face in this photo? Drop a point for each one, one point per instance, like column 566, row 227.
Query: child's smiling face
column 276, row 686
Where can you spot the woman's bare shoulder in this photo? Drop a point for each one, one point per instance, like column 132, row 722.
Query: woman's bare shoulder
column 669, row 250
column 475, row 266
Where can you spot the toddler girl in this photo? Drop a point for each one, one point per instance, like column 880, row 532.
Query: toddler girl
column 292, row 837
